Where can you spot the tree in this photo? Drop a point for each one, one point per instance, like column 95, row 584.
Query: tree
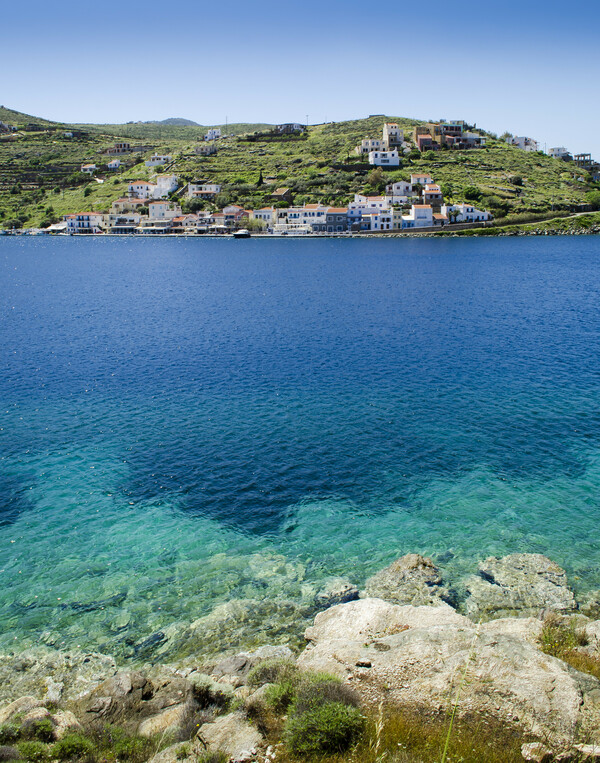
column 260, row 180
column 516, row 180
column 472, row 193
column 593, row 198
column 375, row 178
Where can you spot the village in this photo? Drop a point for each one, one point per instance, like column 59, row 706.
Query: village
column 164, row 204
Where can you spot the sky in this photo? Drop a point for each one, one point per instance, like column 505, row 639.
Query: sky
column 530, row 67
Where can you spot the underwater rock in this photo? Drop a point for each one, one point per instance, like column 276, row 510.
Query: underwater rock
column 412, row 579
column 336, row 591
column 518, row 584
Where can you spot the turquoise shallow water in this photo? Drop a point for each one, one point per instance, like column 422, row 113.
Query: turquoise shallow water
column 186, row 424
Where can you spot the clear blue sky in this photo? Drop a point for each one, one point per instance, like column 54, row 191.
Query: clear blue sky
column 530, row 66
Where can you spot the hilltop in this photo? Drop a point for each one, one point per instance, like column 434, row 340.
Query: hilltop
column 40, row 177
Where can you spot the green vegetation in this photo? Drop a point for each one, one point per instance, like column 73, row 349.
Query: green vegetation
column 561, row 638
column 40, row 178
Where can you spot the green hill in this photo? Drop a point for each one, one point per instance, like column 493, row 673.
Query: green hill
column 40, row 178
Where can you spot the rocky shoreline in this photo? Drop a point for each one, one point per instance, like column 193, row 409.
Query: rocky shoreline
column 399, row 642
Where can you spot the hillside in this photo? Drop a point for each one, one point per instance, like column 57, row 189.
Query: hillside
column 40, row 178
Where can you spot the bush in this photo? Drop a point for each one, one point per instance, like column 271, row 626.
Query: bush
column 516, row 180
column 73, row 747
column 41, row 729
column 36, row 752
column 323, row 689
column 471, row 193
column 324, row 729
column 213, row 757
column 9, row 753
column 9, row 732
column 274, row 670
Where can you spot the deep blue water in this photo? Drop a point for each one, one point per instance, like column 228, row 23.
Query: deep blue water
column 185, row 423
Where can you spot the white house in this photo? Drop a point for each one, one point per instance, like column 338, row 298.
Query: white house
column 213, row 134
column 114, row 164
column 266, row 214
column 420, row 216
column 157, row 160
column 84, row 222
column 399, row 193
column 464, row 213
column 384, row 158
column 560, row 152
column 363, row 207
column 88, row 168
column 203, row 190
column 420, row 179
column 165, row 184
column 163, row 210
column 124, row 222
column 369, row 144
column 141, row 189
column 392, row 135
column 524, row 143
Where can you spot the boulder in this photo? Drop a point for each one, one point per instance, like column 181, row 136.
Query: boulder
column 336, row 591
column 536, row 752
column 412, row 579
column 130, row 698
column 176, row 753
column 518, row 584
column 234, row 670
column 20, row 706
column 231, row 734
column 65, row 723
column 416, row 657
column 168, row 721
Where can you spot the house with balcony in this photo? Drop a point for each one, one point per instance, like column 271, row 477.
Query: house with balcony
column 524, row 143
column 393, row 136
column 121, row 206
column 400, row 192
column 163, row 210
column 289, row 128
column 560, row 152
column 336, row 219
column 265, row 214
column 141, row 189
column 84, row 222
column 121, row 222
column 432, row 194
column 213, row 134
column 369, row 144
column 206, row 149
column 419, row 178
column 206, row 191
column 119, row 148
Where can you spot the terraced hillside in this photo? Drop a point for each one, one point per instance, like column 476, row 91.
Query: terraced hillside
column 40, row 177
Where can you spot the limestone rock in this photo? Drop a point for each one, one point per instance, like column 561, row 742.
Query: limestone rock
column 372, row 618
column 176, row 753
column 536, row 752
column 168, row 720
column 65, row 723
column 417, row 656
column 20, row 706
column 412, row 579
column 336, row 591
column 518, row 584
column 36, row 672
column 129, row 698
column 231, row 734
column 527, row 628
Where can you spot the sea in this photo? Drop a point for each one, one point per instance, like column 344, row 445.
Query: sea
column 209, row 431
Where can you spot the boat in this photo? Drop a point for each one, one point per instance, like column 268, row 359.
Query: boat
column 241, row 233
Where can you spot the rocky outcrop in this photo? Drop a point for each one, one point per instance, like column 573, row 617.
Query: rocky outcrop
column 336, row 591
column 518, row 584
column 412, row 579
column 231, row 734
column 418, row 656
column 233, row 670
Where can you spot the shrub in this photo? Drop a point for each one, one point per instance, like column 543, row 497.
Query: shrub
column 34, row 751
column 280, row 696
column 42, row 729
column 324, row 729
column 213, row 757
column 274, row 670
column 9, row 732
column 73, row 747
column 323, row 689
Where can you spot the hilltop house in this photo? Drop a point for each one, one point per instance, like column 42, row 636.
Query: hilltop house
column 393, row 136
column 524, row 143
column 157, row 160
column 213, row 134
column 289, row 128
column 384, row 158
column 560, row 152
